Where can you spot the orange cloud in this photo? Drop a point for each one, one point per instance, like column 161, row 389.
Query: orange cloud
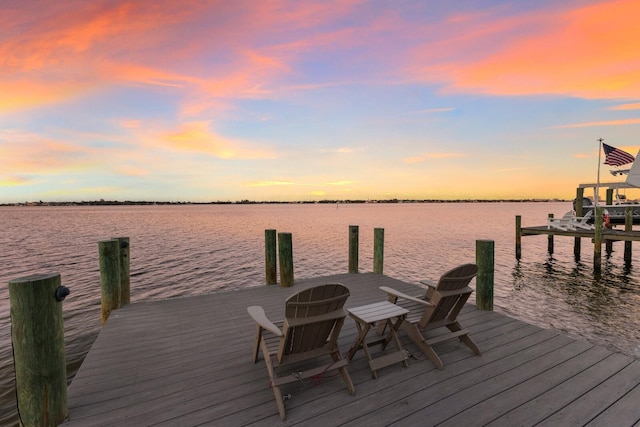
column 196, row 137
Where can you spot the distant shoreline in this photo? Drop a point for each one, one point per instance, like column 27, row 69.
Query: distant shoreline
column 251, row 202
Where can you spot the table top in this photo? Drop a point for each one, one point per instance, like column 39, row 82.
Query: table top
column 377, row 311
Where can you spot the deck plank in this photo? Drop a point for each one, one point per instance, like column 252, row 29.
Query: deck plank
column 187, row 361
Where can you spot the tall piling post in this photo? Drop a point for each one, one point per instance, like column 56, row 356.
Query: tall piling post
column 485, row 279
column 628, row 226
column 353, row 248
column 579, row 212
column 597, row 241
column 285, row 253
column 518, row 237
column 550, row 239
column 378, row 250
column 37, row 334
column 109, row 257
column 271, row 271
column 609, row 243
column 125, row 270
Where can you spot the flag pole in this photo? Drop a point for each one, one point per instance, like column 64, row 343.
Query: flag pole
column 595, row 196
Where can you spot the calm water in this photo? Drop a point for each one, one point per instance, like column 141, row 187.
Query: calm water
column 191, row 250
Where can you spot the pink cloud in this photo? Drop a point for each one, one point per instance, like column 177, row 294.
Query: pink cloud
column 587, row 52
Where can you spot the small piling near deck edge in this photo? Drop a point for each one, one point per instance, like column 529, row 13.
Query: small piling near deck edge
column 597, row 242
column 270, row 269
column 109, row 254
column 378, row 250
column 37, row 334
column 125, row 270
column 484, row 280
column 577, row 243
column 550, row 239
column 609, row 243
column 518, row 237
column 628, row 226
column 285, row 253
column 353, row 248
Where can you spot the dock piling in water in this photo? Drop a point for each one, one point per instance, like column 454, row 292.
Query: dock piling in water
column 353, row 248
column 518, row 237
column 378, row 250
column 285, row 252
column 628, row 226
column 110, row 291
column 550, row 239
column 271, row 271
column 484, row 280
column 37, row 334
column 125, row 270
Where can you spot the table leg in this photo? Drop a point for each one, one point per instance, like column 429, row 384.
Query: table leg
column 360, row 341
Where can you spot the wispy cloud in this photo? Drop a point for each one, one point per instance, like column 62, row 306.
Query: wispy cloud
column 197, row 137
column 433, row 156
column 621, row 122
column 271, row 183
column 434, row 110
column 624, row 107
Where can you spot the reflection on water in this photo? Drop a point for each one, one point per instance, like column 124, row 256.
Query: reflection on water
column 573, row 299
column 192, row 250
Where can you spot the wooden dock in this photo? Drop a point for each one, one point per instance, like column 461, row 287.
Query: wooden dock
column 607, row 234
column 187, row 362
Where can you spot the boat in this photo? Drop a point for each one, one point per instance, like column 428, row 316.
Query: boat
column 616, row 208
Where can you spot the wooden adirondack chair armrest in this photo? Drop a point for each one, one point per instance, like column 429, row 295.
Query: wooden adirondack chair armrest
column 257, row 313
column 429, row 283
column 398, row 294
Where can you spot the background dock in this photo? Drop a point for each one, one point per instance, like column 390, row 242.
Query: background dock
column 187, row 361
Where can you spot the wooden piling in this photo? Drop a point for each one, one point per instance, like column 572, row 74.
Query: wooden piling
column 609, row 243
column 628, row 226
column 271, row 271
column 109, row 253
column 378, row 250
column 577, row 243
column 37, row 334
column 597, row 241
column 518, row 237
column 484, row 280
column 353, row 248
column 285, row 253
column 125, row 270
column 550, row 240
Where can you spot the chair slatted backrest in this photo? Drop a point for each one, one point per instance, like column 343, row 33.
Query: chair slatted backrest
column 313, row 318
column 450, row 294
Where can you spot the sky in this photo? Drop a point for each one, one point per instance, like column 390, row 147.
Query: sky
column 278, row 100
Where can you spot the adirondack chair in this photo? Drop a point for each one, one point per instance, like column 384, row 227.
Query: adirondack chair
column 313, row 320
column 438, row 308
column 563, row 223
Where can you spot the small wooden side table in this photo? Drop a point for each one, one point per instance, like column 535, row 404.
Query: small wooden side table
column 366, row 317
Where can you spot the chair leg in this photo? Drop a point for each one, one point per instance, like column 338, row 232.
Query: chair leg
column 466, row 339
column 256, row 344
column 470, row 343
column 279, row 402
column 336, row 355
column 416, row 337
column 276, row 389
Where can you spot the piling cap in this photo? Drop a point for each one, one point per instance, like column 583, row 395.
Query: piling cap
column 34, row 278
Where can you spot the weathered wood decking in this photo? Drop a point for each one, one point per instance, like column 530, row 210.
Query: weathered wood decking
column 187, row 362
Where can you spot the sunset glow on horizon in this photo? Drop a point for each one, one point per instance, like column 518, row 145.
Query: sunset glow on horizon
column 280, row 100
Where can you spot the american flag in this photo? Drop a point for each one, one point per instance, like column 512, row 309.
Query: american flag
column 615, row 156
